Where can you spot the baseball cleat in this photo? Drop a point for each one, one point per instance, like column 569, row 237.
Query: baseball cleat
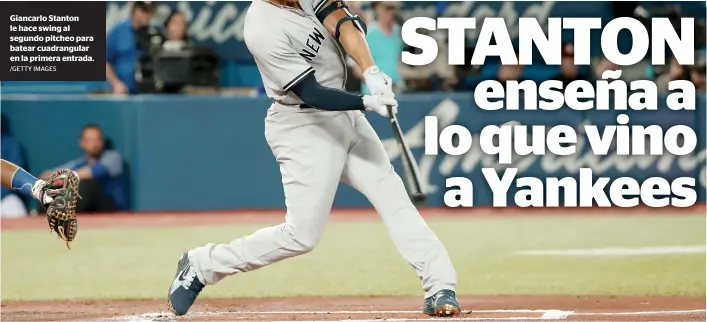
column 184, row 288
column 443, row 304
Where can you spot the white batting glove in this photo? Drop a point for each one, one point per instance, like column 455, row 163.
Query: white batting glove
column 379, row 104
column 377, row 81
column 38, row 192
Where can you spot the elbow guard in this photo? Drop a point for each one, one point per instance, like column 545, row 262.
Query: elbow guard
column 358, row 22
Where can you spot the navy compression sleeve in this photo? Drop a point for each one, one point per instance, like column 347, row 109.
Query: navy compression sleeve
column 325, row 98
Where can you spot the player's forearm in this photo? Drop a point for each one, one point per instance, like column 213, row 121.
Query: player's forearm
column 351, row 36
column 354, row 42
column 357, row 72
column 18, row 179
column 8, row 169
column 325, row 98
column 350, row 31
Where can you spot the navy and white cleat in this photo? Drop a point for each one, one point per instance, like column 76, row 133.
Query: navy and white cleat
column 185, row 287
column 443, row 304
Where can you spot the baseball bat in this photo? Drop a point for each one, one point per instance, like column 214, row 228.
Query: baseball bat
column 412, row 171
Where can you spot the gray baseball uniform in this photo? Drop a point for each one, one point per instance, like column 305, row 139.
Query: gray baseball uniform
column 315, row 150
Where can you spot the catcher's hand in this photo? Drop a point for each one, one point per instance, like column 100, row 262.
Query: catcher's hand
column 63, row 188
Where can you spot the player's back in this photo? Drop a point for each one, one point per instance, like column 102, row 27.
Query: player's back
column 288, row 45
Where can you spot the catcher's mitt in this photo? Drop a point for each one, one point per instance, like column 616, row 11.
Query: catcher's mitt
column 63, row 188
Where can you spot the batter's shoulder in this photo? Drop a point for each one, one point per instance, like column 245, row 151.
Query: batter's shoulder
column 259, row 33
column 312, row 7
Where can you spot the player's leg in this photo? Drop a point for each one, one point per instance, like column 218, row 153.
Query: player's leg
column 16, row 178
column 369, row 171
column 311, row 150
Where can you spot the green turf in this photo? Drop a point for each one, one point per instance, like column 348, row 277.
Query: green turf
column 359, row 259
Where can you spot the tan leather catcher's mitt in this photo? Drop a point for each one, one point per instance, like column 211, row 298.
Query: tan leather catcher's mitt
column 63, row 188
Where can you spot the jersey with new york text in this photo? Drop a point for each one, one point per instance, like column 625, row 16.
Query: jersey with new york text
column 289, row 44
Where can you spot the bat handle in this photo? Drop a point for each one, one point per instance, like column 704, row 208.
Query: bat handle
column 390, row 112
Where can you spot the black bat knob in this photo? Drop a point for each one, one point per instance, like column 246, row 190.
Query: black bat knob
column 418, row 198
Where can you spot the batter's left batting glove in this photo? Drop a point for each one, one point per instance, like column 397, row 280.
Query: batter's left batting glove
column 379, row 104
column 377, row 81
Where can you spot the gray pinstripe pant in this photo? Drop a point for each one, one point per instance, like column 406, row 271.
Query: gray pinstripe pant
column 315, row 150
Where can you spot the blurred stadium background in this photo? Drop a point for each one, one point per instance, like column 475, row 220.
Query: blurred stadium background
column 179, row 135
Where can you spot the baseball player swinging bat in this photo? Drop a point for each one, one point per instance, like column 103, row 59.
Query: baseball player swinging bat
column 412, row 171
column 319, row 136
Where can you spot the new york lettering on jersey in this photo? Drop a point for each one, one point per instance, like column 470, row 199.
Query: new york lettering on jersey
column 318, row 48
column 313, row 42
column 297, row 46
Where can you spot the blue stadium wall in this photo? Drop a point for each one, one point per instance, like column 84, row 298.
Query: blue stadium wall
column 209, row 153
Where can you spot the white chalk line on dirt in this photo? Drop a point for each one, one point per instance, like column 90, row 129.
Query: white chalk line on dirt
column 167, row 316
column 373, row 312
column 428, row 319
column 546, row 315
column 677, row 312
